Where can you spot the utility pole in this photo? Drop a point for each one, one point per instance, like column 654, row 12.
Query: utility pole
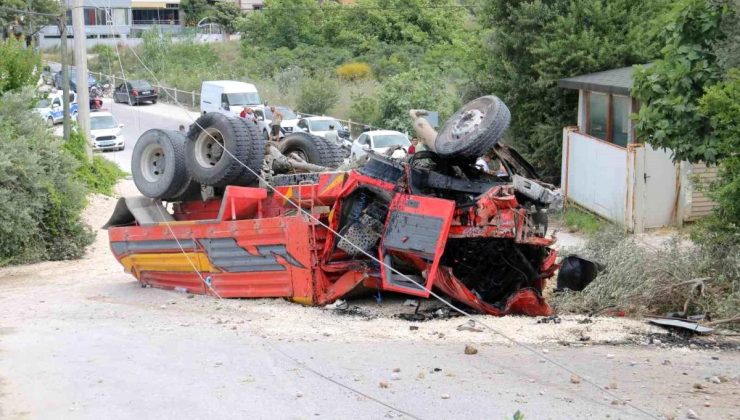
column 83, row 94
column 62, row 23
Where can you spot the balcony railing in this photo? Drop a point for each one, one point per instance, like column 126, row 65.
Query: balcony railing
column 174, row 22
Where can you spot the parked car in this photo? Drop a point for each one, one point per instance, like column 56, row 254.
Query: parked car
column 106, row 132
column 73, row 80
column 51, row 108
column 134, row 92
column 228, row 96
column 320, row 125
column 264, row 119
column 379, row 141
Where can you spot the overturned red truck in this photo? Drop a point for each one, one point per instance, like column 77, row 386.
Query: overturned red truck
column 434, row 220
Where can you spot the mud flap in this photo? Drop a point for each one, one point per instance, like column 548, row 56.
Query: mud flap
column 416, row 228
column 139, row 210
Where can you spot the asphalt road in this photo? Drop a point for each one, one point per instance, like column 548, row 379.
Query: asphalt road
column 138, row 119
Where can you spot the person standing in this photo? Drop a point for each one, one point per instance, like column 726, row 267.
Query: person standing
column 483, row 162
column 414, row 143
column 332, row 135
column 277, row 119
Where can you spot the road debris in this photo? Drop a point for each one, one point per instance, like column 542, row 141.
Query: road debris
column 680, row 323
column 411, row 302
column 470, row 349
column 576, row 273
column 469, row 326
column 550, row 319
column 338, row 305
column 575, row 379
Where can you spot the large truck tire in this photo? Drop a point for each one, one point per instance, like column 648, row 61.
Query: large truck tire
column 474, row 129
column 219, row 146
column 312, row 149
column 256, row 150
column 158, row 164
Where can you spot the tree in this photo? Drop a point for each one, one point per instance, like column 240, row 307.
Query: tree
column 690, row 103
column 317, row 96
column 284, row 23
column 720, row 105
column 18, row 65
column 194, row 10
column 670, row 90
column 533, row 44
column 27, row 24
column 412, row 90
column 229, row 16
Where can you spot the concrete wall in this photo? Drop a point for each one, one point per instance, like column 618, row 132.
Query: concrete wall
column 594, row 175
column 45, row 43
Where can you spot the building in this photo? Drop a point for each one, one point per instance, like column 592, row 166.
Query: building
column 111, row 21
column 146, row 14
column 249, row 5
column 608, row 170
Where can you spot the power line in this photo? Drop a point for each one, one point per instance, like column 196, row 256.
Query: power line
column 28, row 12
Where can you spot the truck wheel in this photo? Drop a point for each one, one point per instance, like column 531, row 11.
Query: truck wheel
column 158, row 164
column 255, row 152
column 219, row 146
column 312, row 149
column 474, row 129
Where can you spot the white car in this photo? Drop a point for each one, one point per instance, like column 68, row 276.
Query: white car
column 51, row 109
column 379, row 141
column 106, row 132
column 319, row 126
column 264, row 118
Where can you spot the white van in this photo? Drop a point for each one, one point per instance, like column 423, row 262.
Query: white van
column 227, row 96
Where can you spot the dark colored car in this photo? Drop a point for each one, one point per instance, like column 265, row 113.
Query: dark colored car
column 73, row 80
column 135, row 92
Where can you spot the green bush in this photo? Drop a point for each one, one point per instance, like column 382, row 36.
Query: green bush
column 364, row 109
column 288, row 80
column 101, row 175
column 17, row 65
column 413, row 90
column 42, row 200
column 317, row 95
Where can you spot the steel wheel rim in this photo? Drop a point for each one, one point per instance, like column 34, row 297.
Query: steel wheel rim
column 153, row 162
column 209, row 148
column 468, row 123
